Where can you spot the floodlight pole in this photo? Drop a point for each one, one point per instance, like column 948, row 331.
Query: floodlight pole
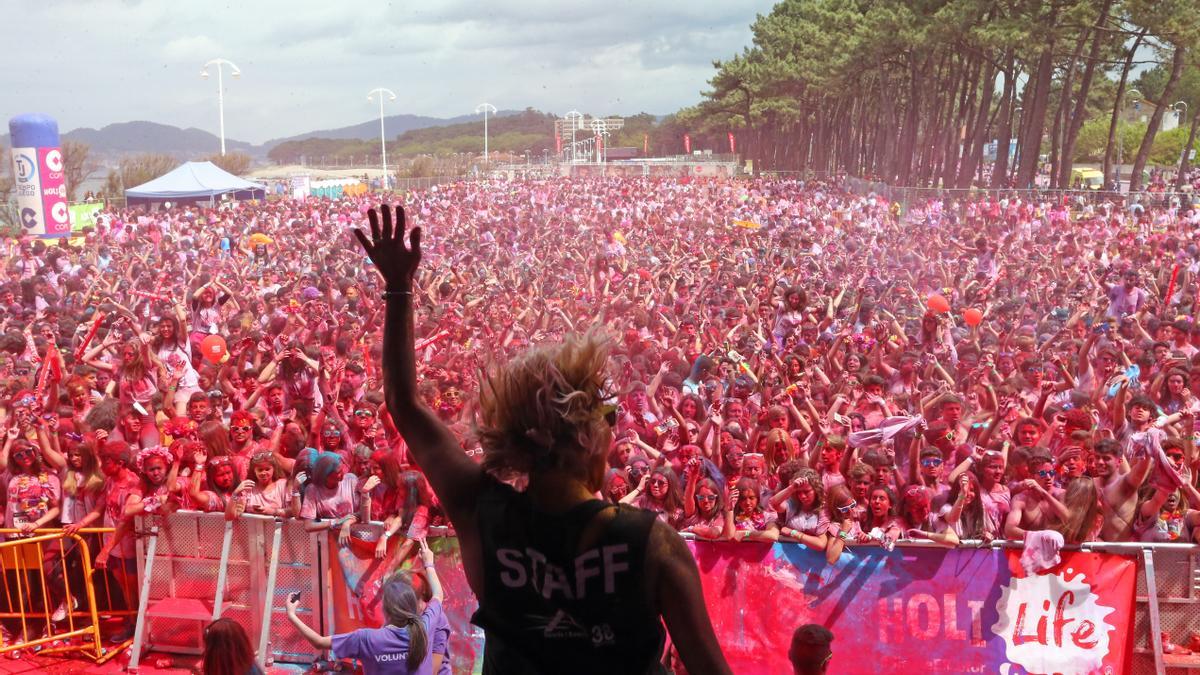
column 382, row 134
column 234, row 71
column 574, row 116
column 485, row 108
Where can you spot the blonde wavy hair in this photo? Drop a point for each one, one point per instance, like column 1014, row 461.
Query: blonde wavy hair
column 546, row 409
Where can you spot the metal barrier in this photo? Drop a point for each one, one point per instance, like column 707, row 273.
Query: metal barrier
column 188, row 580
column 47, row 584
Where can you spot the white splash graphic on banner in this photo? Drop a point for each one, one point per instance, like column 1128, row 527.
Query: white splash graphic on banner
column 1052, row 623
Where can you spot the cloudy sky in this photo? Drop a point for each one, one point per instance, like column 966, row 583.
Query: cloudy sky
column 308, row 65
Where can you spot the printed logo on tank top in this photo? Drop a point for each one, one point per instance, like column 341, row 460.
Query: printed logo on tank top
column 594, row 570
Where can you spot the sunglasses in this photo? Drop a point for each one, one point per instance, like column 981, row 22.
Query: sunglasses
column 363, row 413
column 21, row 372
column 931, row 462
column 848, row 507
column 706, row 498
column 331, row 433
column 240, row 427
column 1177, row 456
column 23, row 452
column 658, row 482
column 1046, row 473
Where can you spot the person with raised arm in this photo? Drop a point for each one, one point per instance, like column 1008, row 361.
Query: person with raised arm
column 566, row 582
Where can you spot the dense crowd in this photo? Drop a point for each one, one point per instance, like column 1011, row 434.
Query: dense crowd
column 790, row 361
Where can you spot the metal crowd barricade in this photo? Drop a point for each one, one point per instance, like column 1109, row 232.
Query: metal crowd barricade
column 198, row 567
column 40, row 573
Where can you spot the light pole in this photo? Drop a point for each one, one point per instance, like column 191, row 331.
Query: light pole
column 573, row 118
column 382, row 135
column 485, row 108
column 234, row 71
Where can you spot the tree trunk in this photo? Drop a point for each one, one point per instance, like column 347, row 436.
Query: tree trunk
column 1035, row 119
column 978, row 131
column 1064, row 104
column 1116, row 112
column 1143, row 154
column 1186, row 156
column 1085, row 87
column 1004, row 126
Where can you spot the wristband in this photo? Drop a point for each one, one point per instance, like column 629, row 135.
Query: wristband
column 429, row 566
column 385, row 535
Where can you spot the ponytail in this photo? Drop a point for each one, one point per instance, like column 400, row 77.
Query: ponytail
column 417, row 643
column 400, row 606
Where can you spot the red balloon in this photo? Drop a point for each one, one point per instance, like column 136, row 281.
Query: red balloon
column 938, row 303
column 972, row 317
column 213, row 348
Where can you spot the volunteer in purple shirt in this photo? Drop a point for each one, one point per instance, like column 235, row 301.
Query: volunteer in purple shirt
column 402, row 646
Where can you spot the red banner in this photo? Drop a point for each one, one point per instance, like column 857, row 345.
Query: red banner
column 732, row 144
column 645, row 144
column 687, row 144
column 557, row 142
column 951, row 611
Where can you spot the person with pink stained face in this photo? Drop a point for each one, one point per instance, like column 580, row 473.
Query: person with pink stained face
column 829, row 460
column 1039, row 503
column 221, row 480
column 708, row 516
column 882, row 523
column 264, row 493
column 751, row 521
column 658, row 491
column 801, row 504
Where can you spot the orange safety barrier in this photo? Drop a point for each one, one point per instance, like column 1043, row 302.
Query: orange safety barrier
column 36, row 577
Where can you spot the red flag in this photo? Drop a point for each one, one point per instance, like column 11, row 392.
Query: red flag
column 645, row 144
column 557, row 142
column 732, row 144
column 599, row 146
column 687, row 144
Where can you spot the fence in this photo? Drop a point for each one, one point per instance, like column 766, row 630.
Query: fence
column 196, row 567
column 909, row 197
column 49, row 590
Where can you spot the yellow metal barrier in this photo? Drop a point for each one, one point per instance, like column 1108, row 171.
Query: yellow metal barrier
column 36, row 577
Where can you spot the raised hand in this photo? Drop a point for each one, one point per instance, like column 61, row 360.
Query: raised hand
column 395, row 261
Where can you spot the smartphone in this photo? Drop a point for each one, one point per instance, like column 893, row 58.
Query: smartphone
column 294, row 597
column 138, row 407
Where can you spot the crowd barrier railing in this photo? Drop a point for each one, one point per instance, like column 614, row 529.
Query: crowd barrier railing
column 195, row 568
column 48, row 588
column 198, row 567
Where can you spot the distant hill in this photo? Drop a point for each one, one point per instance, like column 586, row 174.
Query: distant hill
column 395, row 125
column 124, row 138
column 513, row 133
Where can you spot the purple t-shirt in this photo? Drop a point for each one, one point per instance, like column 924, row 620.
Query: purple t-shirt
column 384, row 651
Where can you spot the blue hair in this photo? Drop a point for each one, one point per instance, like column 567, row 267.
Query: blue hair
column 325, row 464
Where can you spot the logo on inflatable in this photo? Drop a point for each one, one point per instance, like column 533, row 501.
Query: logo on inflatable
column 1052, row 623
column 59, row 212
column 25, row 168
column 54, row 160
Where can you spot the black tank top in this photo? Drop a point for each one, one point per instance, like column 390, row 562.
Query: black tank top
column 549, row 607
